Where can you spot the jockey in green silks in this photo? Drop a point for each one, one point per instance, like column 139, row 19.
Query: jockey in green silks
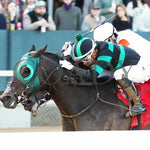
column 101, row 56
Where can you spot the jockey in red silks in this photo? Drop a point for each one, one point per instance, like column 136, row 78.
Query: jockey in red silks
column 107, row 32
column 139, row 74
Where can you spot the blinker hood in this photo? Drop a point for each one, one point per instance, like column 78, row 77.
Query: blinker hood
column 31, row 63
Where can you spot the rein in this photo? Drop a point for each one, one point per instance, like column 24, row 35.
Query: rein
column 84, row 110
column 48, row 76
column 112, row 103
column 88, row 107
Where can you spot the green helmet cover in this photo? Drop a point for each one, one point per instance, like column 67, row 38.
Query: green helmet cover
column 82, row 47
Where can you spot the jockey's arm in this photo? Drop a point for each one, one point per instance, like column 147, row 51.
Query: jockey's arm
column 87, row 74
column 92, row 75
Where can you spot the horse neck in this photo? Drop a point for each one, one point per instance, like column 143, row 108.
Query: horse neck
column 72, row 99
column 68, row 98
column 61, row 94
column 58, row 88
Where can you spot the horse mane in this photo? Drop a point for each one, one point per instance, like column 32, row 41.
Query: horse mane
column 53, row 56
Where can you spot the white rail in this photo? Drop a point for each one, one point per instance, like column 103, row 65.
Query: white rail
column 6, row 73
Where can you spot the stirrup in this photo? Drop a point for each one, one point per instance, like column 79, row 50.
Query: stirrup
column 133, row 112
column 128, row 114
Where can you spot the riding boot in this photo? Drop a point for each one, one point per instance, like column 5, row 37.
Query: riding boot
column 130, row 89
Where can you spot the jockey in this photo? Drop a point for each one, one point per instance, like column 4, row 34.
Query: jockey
column 100, row 56
column 107, row 32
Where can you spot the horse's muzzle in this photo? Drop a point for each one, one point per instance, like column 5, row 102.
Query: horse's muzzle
column 27, row 104
column 8, row 101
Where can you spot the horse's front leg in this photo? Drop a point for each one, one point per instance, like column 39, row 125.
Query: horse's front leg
column 67, row 124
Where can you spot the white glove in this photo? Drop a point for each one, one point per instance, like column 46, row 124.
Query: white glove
column 67, row 49
column 66, row 64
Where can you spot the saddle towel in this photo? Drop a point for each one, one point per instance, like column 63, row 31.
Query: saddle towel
column 144, row 92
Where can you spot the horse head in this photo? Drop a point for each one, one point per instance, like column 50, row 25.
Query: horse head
column 33, row 101
column 25, row 78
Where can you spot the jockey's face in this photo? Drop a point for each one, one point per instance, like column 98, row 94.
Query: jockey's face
column 111, row 39
column 92, row 60
column 89, row 63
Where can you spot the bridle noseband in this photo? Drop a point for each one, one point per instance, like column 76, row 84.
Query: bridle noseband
column 28, row 91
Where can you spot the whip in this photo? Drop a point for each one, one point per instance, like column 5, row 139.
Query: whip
column 107, row 20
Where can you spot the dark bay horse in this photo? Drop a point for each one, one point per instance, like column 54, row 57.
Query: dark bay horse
column 81, row 106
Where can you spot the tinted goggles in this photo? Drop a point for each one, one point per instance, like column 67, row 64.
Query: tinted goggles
column 87, row 58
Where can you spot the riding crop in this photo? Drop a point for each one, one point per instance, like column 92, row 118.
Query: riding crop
column 107, row 20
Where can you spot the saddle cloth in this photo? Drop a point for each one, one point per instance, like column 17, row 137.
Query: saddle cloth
column 144, row 92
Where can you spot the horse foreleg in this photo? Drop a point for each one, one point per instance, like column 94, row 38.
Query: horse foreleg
column 67, row 124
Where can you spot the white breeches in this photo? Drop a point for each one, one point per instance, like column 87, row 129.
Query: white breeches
column 137, row 73
column 122, row 73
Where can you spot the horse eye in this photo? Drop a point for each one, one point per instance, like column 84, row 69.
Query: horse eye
column 25, row 71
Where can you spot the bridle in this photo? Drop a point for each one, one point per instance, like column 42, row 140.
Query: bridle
column 9, row 85
column 25, row 93
column 28, row 89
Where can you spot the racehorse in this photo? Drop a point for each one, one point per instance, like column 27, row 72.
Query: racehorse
column 83, row 107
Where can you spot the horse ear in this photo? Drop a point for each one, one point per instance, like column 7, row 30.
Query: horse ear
column 32, row 48
column 40, row 52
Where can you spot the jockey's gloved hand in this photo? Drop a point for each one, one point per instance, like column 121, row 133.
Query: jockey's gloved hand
column 66, row 64
column 67, row 49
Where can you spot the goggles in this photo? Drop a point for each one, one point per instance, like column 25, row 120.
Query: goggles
column 108, row 40
column 87, row 58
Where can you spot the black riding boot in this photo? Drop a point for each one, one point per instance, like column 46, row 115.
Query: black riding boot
column 130, row 89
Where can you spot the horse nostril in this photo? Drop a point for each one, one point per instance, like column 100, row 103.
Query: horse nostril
column 47, row 96
column 6, row 97
column 28, row 105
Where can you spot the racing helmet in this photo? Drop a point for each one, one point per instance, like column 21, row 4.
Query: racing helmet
column 105, row 31
column 83, row 48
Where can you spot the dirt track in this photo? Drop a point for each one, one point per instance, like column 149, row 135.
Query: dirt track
column 31, row 129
